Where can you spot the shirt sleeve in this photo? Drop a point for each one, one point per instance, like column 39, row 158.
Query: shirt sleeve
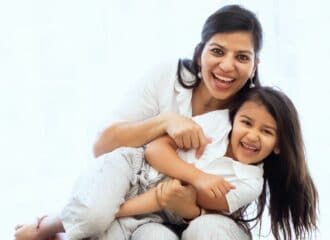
column 142, row 101
column 246, row 191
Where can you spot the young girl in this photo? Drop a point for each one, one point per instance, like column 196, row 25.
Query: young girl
column 265, row 134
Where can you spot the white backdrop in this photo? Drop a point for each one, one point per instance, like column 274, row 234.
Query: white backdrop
column 65, row 64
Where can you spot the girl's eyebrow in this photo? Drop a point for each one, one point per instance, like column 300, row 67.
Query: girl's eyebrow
column 265, row 125
column 213, row 44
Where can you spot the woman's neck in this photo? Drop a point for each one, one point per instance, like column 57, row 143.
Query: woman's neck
column 203, row 102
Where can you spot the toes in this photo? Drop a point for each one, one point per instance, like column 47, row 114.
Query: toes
column 18, row 226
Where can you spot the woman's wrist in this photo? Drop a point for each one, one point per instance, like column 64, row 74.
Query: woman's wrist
column 164, row 119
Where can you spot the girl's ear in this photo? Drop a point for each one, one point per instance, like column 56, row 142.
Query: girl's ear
column 276, row 150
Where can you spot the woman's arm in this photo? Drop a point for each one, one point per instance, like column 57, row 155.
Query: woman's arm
column 184, row 132
column 211, row 189
column 132, row 134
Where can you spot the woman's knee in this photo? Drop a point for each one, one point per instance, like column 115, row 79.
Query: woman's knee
column 214, row 226
column 151, row 231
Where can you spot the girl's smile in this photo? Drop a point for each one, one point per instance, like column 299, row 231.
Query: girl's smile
column 254, row 134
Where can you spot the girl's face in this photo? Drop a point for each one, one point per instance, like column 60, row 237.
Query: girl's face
column 254, row 134
column 227, row 62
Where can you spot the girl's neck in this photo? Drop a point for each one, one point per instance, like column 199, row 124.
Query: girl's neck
column 203, row 102
column 229, row 152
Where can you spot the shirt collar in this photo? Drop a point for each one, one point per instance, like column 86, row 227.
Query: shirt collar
column 184, row 95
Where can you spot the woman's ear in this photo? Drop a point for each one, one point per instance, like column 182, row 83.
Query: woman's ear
column 255, row 67
column 199, row 61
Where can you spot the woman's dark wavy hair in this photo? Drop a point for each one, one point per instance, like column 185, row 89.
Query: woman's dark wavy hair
column 288, row 188
column 228, row 19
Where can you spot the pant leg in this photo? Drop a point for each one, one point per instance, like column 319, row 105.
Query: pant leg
column 214, row 227
column 152, row 231
column 97, row 196
column 130, row 228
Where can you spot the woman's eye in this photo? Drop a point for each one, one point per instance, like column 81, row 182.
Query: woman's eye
column 246, row 123
column 243, row 58
column 217, row 51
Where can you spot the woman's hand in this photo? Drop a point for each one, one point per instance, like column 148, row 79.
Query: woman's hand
column 211, row 185
column 173, row 196
column 186, row 133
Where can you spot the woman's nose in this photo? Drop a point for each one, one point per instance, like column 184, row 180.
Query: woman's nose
column 227, row 64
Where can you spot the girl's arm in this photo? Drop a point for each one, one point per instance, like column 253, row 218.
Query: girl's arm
column 148, row 202
column 211, row 189
column 141, row 204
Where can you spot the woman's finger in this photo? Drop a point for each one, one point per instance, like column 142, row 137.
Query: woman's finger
column 203, row 141
column 187, row 141
column 195, row 140
column 179, row 142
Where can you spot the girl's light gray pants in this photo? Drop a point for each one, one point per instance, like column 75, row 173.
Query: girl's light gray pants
column 119, row 175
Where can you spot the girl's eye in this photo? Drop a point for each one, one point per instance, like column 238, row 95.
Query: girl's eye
column 243, row 58
column 267, row 132
column 217, row 51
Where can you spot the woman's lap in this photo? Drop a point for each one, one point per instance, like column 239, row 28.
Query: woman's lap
column 96, row 197
column 214, row 226
column 209, row 226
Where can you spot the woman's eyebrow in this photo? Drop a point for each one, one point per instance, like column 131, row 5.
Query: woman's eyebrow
column 213, row 44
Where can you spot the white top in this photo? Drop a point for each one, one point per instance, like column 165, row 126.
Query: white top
column 158, row 91
column 248, row 179
column 161, row 92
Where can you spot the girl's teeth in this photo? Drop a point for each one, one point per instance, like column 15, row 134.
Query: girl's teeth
column 249, row 147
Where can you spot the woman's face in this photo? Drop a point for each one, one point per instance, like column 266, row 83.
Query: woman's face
column 254, row 134
column 227, row 61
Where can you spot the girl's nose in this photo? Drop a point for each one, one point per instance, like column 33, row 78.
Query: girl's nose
column 253, row 136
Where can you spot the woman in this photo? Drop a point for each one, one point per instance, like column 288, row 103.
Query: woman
column 223, row 66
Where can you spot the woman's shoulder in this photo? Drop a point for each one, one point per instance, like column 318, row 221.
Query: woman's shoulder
column 163, row 69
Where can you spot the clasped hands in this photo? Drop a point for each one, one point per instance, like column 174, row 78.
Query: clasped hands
column 183, row 199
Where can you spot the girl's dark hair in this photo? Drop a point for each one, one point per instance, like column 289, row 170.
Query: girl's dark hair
column 228, row 19
column 293, row 198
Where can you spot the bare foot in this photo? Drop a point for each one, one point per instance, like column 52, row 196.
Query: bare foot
column 28, row 232
column 45, row 228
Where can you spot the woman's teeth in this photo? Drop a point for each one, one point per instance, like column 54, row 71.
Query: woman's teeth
column 223, row 79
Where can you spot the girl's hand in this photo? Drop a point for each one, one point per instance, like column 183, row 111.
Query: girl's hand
column 186, row 133
column 211, row 185
column 173, row 196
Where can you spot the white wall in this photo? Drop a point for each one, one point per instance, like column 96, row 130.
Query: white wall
column 65, row 64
